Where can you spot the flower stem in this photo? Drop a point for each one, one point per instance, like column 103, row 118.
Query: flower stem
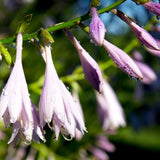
column 62, row 25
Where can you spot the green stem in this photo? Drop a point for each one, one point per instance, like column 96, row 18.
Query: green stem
column 62, row 25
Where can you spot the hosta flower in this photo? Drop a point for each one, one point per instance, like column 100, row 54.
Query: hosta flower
column 96, row 28
column 99, row 153
column 153, row 7
column 56, row 103
column 148, row 74
column 103, row 143
column 109, row 109
column 90, row 67
column 122, row 60
column 154, row 52
column 78, row 134
column 15, row 104
column 145, row 37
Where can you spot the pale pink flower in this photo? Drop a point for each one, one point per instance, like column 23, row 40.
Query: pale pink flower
column 56, row 103
column 122, row 60
column 109, row 109
column 15, row 104
column 90, row 67
column 96, row 28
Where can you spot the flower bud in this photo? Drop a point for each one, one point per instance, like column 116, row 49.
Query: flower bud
column 90, row 67
column 122, row 60
column 145, row 37
column 153, row 7
column 96, row 28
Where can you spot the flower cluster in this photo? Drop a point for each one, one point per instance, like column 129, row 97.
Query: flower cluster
column 56, row 104
column 57, row 107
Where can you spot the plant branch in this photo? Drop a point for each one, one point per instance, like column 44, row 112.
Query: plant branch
column 62, row 25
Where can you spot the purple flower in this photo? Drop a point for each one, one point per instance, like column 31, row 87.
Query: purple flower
column 15, row 104
column 96, row 28
column 148, row 74
column 56, row 103
column 153, row 7
column 122, row 60
column 110, row 111
column 154, row 52
column 103, row 143
column 90, row 67
column 145, row 37
column 78, row 134
column 99, row 153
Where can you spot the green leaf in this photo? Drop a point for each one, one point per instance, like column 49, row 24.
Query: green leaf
column 24, row 23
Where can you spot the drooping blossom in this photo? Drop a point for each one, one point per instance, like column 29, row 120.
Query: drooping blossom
column 99, row 153
column 103, row 143
column 96, row 28
column 122, row 60
column 154, row 52
column 15, row 104
column 56, row 103
column 90, row 67
column 109, row 109
column 152, row 7
column 100, row 148
column 144, row 36
column 78, row 134
column 149, row 75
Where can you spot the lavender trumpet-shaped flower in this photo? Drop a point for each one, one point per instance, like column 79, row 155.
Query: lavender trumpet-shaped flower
column 109, row 109
column 148, row 74
column 56, row 103
column 96, row 28
column 122, row 60
column 90, row 67
column 152, row 7
column 15, row 104
column 145, row 37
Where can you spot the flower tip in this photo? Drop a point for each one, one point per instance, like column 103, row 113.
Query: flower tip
column 96, row 28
